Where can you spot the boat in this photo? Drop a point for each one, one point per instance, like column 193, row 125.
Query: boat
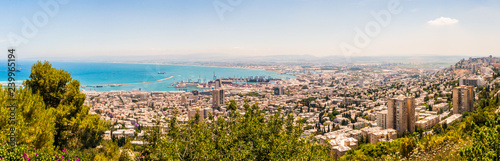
column 161, row 72
column 180, row 86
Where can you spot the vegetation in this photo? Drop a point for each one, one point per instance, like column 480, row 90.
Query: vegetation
column 50, row 116
column 307, row 101
column 475, row 137
column 251, row 136
column 74, row 127
column 251, row 94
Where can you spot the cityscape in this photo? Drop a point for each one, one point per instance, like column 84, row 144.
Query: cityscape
column 250, row 80
column 341, row 107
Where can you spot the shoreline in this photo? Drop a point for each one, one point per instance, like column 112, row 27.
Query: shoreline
column 84, row 86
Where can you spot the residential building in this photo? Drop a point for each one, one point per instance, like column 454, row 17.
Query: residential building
column 217, row 98
column 382, row 119
column 463, row 99
column 278, row 90
column 382, row 135
column 401, row 114
column 427, row 122
column 470, row 82
column 218, row 84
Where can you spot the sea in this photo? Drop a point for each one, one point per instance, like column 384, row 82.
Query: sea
column 147, row 77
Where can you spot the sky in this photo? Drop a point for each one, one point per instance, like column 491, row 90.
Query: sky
column 93, row 28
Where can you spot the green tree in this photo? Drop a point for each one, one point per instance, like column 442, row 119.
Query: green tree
column 248, row 136
column 73, row 125
column 153, row 140
column 437, row 129
column 34, row 123
column 407, row 146
column 485, row 142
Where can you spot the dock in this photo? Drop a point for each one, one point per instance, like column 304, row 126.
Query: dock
column 124, row 84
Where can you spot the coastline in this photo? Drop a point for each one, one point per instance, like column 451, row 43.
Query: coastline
column 120, row 84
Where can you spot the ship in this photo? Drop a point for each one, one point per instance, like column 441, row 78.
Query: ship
column 161, row 72
column 180, row 86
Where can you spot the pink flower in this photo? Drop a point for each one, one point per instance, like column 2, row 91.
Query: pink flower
column 77, row 159
column 28, row 147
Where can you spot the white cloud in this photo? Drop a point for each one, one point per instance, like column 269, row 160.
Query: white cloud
column 1, row 41
column 442, row 21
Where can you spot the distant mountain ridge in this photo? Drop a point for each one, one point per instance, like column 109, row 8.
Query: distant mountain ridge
column 204, row 59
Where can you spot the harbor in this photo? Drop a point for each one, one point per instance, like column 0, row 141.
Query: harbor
column 117, row 85
column 237, row 82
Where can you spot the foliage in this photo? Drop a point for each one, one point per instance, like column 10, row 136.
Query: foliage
column 34, row 123
column 74, row 127
column 437, row 129
column 307, row 101
column 250, row 136
column 25, row 152
column 253, row 94
column 50, row 112
column 486, row 143
column 371, row 151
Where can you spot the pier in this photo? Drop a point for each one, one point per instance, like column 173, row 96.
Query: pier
column 124, row 84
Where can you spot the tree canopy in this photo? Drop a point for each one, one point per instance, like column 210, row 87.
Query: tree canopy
column 250, row 136
column 61, row 95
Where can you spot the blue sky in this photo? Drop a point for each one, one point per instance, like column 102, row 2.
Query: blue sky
column 253, row 27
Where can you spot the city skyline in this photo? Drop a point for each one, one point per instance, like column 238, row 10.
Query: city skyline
column 75, row 29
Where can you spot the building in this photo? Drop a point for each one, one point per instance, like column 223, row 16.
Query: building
column 217, row 98
column 427, row 122
column 382, row 135
column 192, row 114
column 440, row 107
column 207, row 111
column 451, row 119
column 342, row 144
column 218, row 84
column 183, row 99
column 401, row 114
column 463, row 99
column 382, row 119
column 366, row 131
column 470, row 82
column 278, row 90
